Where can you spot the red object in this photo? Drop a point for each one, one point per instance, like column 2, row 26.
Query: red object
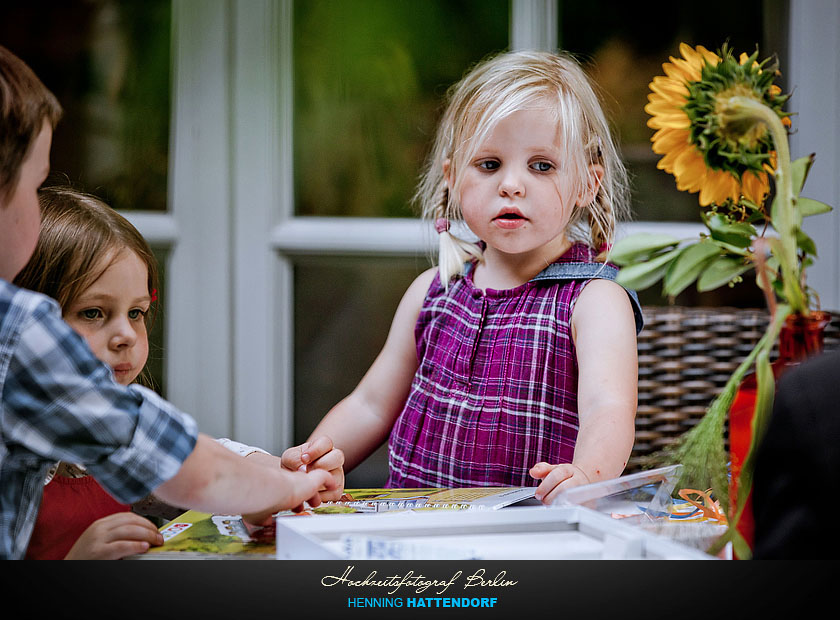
column 800, row 337
column 68, row 507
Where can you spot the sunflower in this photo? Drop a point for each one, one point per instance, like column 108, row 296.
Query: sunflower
column 702, row 142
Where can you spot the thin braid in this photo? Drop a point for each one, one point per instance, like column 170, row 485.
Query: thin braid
column 443, row 204
column 453, row 253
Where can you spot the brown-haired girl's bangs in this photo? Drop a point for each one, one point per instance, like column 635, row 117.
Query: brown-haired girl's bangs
column 78, row 233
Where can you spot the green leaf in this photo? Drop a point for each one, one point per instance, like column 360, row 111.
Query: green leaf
column 809, row 206
column 740, row 547
column 721, row 271
column 688, row 265
column 799, row 172
column 805, row 243
column 738, row 234
column 731, row 249
column 774, row 209
column 765, row 392
column 642, row 275
column 629, row 249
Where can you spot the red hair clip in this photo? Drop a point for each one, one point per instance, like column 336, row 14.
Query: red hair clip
column 154, row 294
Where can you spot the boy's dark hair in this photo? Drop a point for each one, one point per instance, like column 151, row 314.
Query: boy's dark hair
column 25, row 103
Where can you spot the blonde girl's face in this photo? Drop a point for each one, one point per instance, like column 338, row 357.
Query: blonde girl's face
column 111, row 315
column 515, row 192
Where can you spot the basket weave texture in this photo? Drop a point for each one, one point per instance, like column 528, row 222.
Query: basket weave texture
column 686, row 356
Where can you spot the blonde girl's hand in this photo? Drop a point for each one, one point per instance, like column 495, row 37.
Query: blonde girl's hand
column 320, row 453
column 115, row 537
column 556, row 478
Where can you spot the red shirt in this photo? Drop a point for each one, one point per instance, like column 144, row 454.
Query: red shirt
column 68, row 507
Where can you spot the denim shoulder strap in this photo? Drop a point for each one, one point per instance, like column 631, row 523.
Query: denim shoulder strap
column 560, row 272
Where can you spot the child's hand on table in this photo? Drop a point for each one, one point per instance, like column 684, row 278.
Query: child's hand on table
column 556, row 478
column 114, row 537
column 318, row 454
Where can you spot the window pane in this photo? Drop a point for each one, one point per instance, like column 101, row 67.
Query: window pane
column 369, row 78
column 343, row 311
column 627, row 46
column 108, row 62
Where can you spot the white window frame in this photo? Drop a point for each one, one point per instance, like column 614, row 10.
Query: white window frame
column 814, row 70
column 234, row 235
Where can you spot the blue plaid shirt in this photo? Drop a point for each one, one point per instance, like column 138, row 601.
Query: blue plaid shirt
column 59, row 403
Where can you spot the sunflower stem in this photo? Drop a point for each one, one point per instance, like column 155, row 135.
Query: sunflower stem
column 739, row 109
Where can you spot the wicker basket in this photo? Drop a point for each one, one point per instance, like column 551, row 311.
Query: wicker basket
column 686, row 356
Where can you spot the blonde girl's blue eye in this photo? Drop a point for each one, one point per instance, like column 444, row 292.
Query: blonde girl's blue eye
column 542, row 166
column 489, row 165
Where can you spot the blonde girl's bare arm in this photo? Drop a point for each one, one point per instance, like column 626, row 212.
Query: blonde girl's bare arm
column 604, row 331
column 361, row 422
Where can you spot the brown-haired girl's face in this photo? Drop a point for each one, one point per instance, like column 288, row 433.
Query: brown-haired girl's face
column 111, row 315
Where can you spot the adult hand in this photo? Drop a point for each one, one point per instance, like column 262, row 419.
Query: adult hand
column 115, row 537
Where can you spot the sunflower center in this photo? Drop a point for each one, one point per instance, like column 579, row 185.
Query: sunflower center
column 739, row 130
column 721, row 127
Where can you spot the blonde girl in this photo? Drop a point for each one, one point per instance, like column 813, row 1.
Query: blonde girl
column 514, row 361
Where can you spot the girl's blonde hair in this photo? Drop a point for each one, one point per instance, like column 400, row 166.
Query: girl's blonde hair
column 493, row 90
column 79, row 231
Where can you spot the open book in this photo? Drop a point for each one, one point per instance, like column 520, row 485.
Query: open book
column 473, row 498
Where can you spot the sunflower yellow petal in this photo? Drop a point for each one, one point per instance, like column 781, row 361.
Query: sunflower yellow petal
column 666, row 140
column 755, row 187
column 709, row 56
column 689, row 168
column 664, row 108
column 718, row 186
column 686, row 50
column 670, row 155
column 670, row 90
column 696, row 56
column 684, row 70
column 676, row 120
column 669, row 158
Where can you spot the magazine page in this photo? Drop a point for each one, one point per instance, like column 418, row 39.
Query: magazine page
column 198, row 534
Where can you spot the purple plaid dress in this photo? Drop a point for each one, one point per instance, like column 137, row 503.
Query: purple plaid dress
column 496, row 387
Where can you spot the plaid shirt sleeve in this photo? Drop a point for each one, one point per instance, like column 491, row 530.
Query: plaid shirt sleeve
column 61, row 403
